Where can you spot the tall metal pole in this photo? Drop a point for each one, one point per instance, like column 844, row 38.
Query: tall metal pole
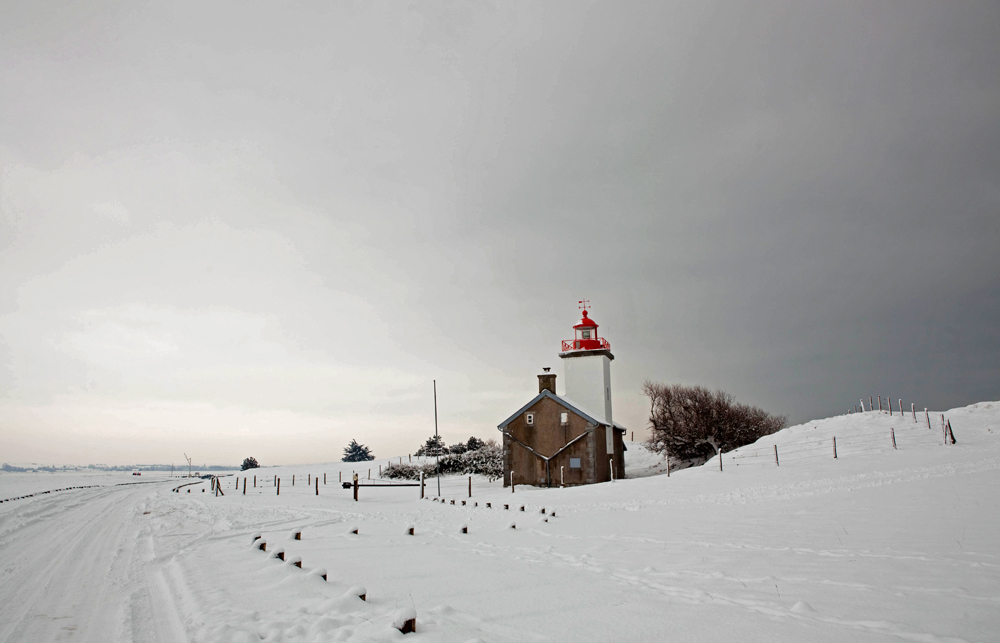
column 437, row 448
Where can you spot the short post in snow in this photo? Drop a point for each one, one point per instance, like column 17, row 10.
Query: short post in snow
column 913, row 411
column 255, row 482
column 870, row 407
column 244, row 486
column 900, row 407
column 892, row 433
column 720, row 458
column 317, row 485
column 421, row 485
column 668, row 464
column 834, row 447
column 310, row 480
column 611, row 467
column 862, row 405
column 324, row 479
column 355, row 487
column 278, row 484
column 928, row 417
column 293, row 479
column 879, row 403
column 888, row 402
column 340, row 476
column 950, row 434
column 776, row 463
column 470, row 486
column 512, row 481
column 562, row 476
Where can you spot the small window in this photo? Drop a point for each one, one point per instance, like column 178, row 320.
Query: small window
column 529, row 419
column 586, row 334
column 574, row 463
column 564, row 419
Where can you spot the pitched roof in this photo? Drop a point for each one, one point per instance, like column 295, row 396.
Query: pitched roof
column 559, row 400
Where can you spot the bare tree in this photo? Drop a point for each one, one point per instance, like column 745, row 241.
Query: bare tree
column 692, row 423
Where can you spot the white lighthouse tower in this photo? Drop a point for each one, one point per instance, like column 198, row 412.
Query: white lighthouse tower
column 587, row 366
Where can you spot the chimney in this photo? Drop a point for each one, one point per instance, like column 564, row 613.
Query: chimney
column 547, row 381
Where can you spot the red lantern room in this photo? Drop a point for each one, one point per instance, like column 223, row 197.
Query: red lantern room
column 586, row 338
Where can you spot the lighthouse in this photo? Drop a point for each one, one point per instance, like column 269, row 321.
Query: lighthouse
column 587, row 367
column 568, row 439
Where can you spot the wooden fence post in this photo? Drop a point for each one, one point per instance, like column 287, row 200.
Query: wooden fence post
column 244, row 486
column 512, row 481
column 310, row 480
column 834, row 447
column 293, row 479
column 880, row 404
column 913, row 411
column 355, row 487
column 928, row 416
column 279, row 486
column 720, row 458
column 324, row 479
column 255, row 482
column 870, row 407
column 317, row 485
column 952, row 435
column 900, row 407
column 470, row 486
column 776, row 463
column 892, row 433
column 421, row 485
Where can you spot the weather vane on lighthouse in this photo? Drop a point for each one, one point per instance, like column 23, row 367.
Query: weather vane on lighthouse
column 583, row 304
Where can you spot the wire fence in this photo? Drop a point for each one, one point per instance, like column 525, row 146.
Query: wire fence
column 918, row 433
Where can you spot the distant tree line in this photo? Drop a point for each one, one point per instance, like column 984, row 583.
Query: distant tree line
column 692, row 424
column 434, row 445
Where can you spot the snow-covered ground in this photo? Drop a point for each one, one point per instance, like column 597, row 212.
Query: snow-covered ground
column 880, row 544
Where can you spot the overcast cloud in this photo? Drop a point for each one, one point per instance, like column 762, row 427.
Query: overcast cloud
column 240, row 229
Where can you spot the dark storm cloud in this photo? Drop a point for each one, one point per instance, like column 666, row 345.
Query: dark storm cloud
column 302, row 215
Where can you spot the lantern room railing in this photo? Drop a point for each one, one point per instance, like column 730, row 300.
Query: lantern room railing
column 585, row 344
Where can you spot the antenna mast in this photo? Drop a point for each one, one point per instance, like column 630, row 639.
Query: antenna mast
column 437, row 449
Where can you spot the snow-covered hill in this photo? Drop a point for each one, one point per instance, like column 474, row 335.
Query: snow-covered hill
column 879, row 544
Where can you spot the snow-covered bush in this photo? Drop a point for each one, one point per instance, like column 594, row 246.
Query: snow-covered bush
column 485, row 461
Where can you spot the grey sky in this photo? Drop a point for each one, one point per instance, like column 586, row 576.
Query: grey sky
column 244, row 229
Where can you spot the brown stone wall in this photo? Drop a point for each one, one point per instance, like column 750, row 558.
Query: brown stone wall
column 619, row 454
column 546, row 437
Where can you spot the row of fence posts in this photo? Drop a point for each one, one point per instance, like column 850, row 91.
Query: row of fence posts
column 405, row 621
column 860, row 408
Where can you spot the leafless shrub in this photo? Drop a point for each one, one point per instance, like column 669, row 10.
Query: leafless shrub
column 692, row 423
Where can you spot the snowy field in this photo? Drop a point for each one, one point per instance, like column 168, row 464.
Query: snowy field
column 880, row 544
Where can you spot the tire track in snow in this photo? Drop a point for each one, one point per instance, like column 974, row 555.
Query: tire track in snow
column 75, row 568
